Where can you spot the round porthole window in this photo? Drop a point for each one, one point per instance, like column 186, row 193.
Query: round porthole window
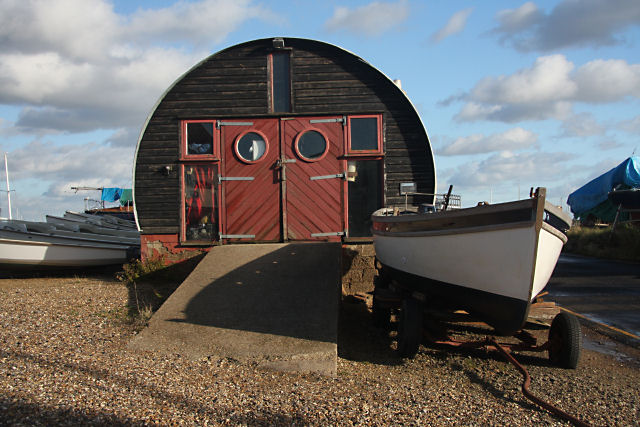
column 251, row 147
column 311, row 145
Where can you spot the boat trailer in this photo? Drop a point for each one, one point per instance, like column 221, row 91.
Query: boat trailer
column 563, row 345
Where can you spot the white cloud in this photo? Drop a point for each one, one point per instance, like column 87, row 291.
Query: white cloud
column 512, row 139
column 571, row 23
column 515, row 20
column 582, row 125
column 508, row 167
column 548, row 79
column 203, row 23
column 78, row 59
column 456, row 24
column 631, row 125
column 372, row 19
column 548, row 89
column 607, row 80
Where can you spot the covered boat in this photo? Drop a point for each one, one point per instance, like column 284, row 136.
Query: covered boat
column 490, row 260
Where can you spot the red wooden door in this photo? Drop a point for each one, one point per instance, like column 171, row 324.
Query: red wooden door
column 250, row 184
column 314, row 184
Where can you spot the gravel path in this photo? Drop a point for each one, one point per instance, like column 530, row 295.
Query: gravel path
column 64, row 361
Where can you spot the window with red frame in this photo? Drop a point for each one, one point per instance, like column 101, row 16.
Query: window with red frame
column 364, row 136
column 199, row 139
column 200, row 210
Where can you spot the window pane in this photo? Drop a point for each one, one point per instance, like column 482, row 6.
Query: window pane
column 364, row 133
column 200, row 209
column 365, row 196
column 200, row 138
column 251, row 147
column 311, row 145
column 281, row 83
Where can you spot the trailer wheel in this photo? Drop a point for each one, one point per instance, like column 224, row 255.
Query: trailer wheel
column 565, row 341
column 410, row 328
column 380, row 313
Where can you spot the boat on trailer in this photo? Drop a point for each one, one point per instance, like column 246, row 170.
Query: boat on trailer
column 491, row 260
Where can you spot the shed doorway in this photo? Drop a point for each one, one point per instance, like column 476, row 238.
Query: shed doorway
column 282, row 179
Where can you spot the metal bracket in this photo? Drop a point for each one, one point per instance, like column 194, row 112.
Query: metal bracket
column 342, row 120
column 337, row 175
column 220, row 123
column 234, row 178
column 337, row 233
column 238, row 236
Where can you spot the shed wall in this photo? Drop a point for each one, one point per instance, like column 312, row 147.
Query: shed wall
column 234, row 83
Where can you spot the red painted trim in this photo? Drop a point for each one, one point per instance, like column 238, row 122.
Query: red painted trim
column 354, row 153
column 181, row 205
column 270, row 68
column 326, row 146
column 266, row 148
column 345, row 199
column 215, row 156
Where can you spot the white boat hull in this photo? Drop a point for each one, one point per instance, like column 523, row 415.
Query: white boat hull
column 15, row 253
column 499, row 261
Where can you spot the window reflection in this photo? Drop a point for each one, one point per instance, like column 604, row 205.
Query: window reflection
column 200, row 138
column 311, row 145
column 364, row 133
column 251, row 147
column 200, row 207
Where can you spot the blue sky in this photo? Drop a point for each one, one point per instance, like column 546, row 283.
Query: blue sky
column 513, row 94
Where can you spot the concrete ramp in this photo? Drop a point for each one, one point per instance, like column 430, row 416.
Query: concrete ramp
column 272, row 304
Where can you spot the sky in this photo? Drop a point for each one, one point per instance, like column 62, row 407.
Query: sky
column 513, row 95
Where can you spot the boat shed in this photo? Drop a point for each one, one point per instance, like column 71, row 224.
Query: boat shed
column 276, row 140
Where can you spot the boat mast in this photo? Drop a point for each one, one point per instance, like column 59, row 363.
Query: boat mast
column 6, row 172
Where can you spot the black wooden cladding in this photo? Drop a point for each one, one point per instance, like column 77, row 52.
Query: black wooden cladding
column 234, row 84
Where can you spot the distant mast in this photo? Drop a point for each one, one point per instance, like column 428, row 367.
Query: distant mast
column 6, row 172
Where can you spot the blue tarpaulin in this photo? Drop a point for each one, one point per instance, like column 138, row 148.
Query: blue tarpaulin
column 111, row 194
column 595, row 191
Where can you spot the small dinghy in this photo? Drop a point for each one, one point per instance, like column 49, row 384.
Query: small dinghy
column 491, row 260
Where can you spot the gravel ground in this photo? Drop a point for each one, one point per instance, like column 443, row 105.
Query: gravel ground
column 64, row 361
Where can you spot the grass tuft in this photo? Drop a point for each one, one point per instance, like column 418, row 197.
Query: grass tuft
column 150, row 283
column 621, row 244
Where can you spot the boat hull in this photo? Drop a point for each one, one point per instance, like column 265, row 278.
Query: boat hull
column 18, row 253
column 489, row 262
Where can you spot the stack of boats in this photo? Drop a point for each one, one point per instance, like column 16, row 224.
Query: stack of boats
column 74, row 240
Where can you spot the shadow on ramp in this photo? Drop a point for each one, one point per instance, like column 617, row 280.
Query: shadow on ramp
column 272, row 304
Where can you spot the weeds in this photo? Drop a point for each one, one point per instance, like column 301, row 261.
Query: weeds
column 150, row 283
column 621, row 244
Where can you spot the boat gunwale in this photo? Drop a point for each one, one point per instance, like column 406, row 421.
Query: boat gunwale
column 454, row 231
column 97, row 245
column 455, row 213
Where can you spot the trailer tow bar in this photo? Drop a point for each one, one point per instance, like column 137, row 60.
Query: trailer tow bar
column 525, row 387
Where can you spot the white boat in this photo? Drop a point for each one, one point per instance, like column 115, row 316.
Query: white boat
column 64, row 244
column 26, row 249
column 490, row 260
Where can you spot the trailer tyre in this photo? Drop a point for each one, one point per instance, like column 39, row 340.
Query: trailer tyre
column 381, row 314
column 410, row 328
column 565, row 341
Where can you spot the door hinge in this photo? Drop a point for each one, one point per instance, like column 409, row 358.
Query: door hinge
column 234, row 178
column 221, row 123
column 342, row 120
column 342, row 175
column 336, row 233
column 238, row 236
